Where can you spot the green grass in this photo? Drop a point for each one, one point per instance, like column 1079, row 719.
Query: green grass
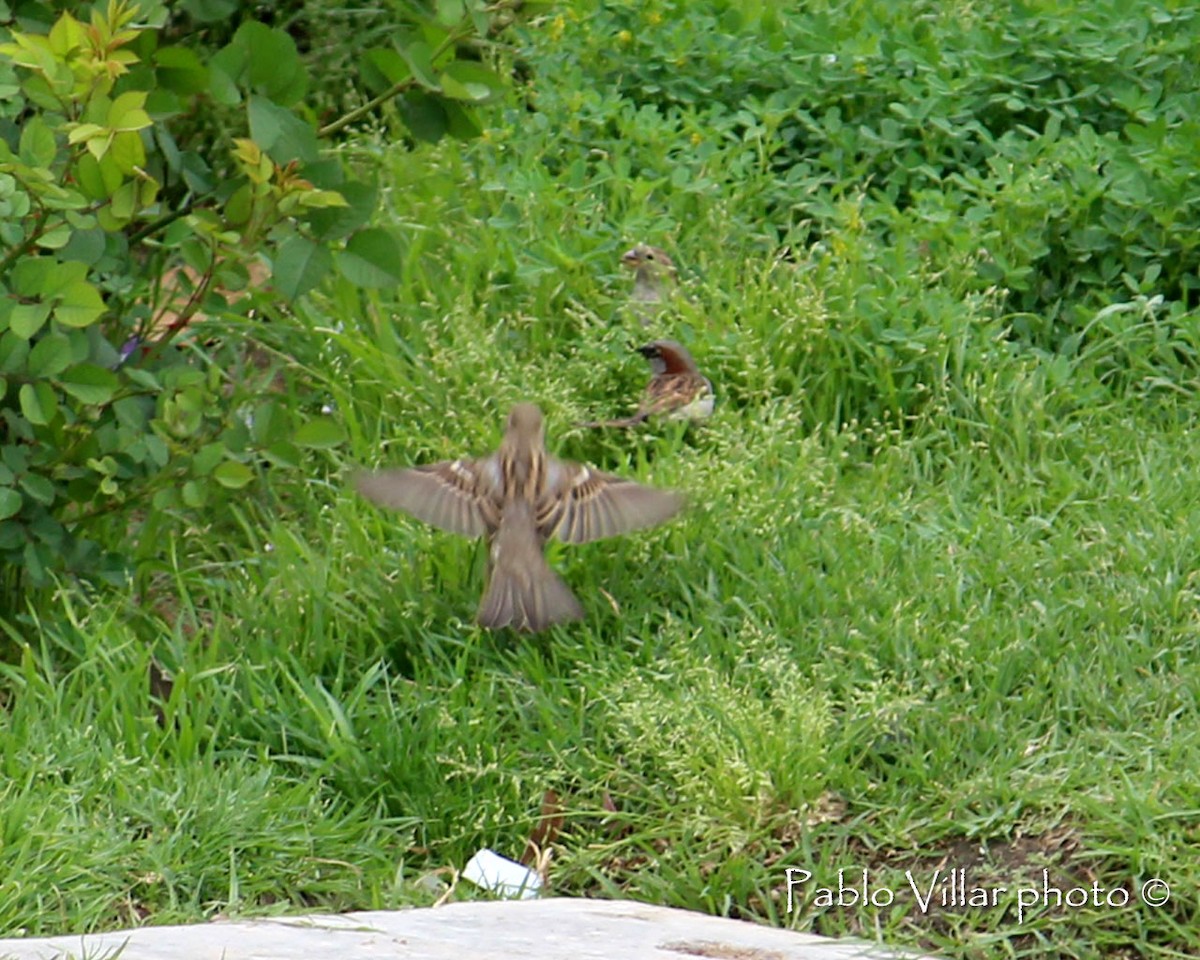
column 933, row 603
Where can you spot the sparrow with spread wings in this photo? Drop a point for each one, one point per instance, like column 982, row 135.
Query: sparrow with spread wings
column 519, row 497
column 677, row 389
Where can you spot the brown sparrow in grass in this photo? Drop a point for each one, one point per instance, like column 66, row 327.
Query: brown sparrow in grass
column 519, row 497
column 653, row 277
column 677, row 389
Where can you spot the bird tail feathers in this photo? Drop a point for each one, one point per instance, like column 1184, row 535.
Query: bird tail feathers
column 523, row 592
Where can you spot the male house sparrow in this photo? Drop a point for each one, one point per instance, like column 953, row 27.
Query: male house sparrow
column 653, row 277
column 677, row 389
column 519, row 497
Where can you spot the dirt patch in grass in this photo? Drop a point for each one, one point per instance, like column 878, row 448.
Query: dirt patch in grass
column 1023, row 888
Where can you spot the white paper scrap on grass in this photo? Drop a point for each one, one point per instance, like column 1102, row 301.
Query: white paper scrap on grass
column 504, row 877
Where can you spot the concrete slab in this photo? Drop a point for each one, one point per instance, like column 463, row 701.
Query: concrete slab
column 550, row 929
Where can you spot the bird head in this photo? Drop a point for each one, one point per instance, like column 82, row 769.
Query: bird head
column 645, row 259
column 525, row 421
column 668, row 356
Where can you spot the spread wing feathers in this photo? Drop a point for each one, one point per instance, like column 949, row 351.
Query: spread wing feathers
column 454, row 495
column 523, row 592
column 583, row 504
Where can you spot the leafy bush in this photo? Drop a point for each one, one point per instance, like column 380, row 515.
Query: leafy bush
column 145, row 185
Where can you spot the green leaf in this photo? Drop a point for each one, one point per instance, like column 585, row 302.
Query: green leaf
column 143, row 378
column 66, row 36
column 197, row 254
column 479, row 15
column 270, row 423
column 423, row 115
column 89, row 383
column 30, row 399
column 37, row 147
column 48, row 531
column 274, row 65
column 124, row 201
column 226, row 69
column 10, row 503
column 80, row 305
column 47, row 399
column 180, row 70
column 34, row 558
column 98, row 179
column 283, row 454
column 194, row 494
column 417, row 55
column 50, row 355
column 39, row 487
column 168, row 146
column 86, row 131
column 15, row 458
column 207, row 457
column 14, row 352
column 55, row 238
column 282, row 134
column 457, row 91
column 127, row 151
column 26, row 319
column 300, row 264
column 461, row 120
column 233, row 475
column 209, row 11
column 127, row 113
column 91, row 344
column 133, row 412
column 473, row 81
column 449, row 12
column 31, row 274
column 333, row 222
column 162, row 104
column 86, row 246
column 240, row 205
column 160, row 453
column 382, row 68
column 319, row 433
column 372, row 258
column 61, row 277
